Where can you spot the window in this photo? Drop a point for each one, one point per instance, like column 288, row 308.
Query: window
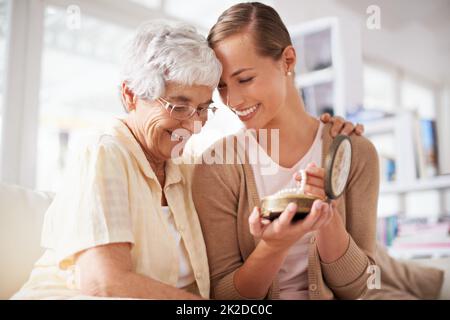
column 148, row 3
column 379, row 89
column 419, row 98
column 79, row 87
column 3, row 36
column 203, row 13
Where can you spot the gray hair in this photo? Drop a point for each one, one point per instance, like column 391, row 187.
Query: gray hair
column 163, row 51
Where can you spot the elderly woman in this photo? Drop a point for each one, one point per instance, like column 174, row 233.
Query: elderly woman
column 124, row 225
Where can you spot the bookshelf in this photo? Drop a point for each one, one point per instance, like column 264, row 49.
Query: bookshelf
column 329, row 75
column 318, row 77
column 408, row 184
column 436, row 183
column 402, row 127
column 329, row 65
column 419, row 253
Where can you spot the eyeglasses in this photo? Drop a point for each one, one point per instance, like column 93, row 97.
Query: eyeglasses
column 185, row 111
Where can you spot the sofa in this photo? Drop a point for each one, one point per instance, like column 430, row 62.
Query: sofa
column 21, row 217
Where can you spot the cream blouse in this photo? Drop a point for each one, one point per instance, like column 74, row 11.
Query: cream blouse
column 112, row 195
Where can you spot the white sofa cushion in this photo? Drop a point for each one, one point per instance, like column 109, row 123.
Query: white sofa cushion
column 443, row 264
column 21, row 217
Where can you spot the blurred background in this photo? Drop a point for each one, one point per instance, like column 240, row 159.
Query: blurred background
column 383, row 63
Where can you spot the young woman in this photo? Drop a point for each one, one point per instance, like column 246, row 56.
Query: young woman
column 326, row 255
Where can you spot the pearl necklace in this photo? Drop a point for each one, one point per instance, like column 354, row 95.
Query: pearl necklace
column 300, row 189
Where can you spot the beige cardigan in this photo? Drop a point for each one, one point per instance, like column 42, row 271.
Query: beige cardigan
column 225, row 194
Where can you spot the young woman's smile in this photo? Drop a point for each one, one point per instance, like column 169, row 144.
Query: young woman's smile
column 245, row 114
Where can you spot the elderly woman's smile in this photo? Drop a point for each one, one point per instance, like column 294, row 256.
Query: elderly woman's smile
column 162, row 124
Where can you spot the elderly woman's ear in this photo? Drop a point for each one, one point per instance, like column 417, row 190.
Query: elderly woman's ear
column 128, row 97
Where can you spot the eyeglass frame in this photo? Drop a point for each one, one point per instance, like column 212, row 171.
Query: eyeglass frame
column 166, row 104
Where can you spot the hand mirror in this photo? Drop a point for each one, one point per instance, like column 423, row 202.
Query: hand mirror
column 337, row 168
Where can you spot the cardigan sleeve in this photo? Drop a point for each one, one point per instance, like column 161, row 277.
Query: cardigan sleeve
column 347, row 277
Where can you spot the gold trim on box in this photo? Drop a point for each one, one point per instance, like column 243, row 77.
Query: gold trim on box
column 272, row 206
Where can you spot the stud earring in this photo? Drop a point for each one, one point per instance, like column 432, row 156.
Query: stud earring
column 289, row 73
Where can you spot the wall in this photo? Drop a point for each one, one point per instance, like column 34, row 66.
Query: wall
column 412, row 47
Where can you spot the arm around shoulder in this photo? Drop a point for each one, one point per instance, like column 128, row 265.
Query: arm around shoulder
column 348, row 276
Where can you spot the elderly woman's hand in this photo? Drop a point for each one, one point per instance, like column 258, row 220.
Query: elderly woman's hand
column 342, row 126
column 107, row 271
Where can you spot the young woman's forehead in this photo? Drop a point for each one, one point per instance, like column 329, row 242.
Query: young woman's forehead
column 241, row 41
column 235, row 54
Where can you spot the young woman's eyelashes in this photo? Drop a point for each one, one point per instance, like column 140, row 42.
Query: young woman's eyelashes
column 223, row 86
column 246, row 80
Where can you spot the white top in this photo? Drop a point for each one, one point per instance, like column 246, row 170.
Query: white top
column 293, row 275
column 185, row 272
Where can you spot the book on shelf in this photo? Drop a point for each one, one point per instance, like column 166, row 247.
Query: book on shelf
column 387, row 229
column 396, row 232
column 426, row 148
column 422, row 235
column 387, row 168
column 412, row 227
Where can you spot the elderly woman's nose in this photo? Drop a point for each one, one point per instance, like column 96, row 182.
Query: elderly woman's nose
column 193, row 124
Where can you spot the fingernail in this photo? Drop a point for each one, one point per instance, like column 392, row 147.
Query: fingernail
column 318, row 206
column 292, row 206
column 333, row 206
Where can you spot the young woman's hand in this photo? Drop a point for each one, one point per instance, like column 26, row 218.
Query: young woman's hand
column 281, row 233
column 341, row 126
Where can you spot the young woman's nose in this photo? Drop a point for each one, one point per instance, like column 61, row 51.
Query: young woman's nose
column 234, row 99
